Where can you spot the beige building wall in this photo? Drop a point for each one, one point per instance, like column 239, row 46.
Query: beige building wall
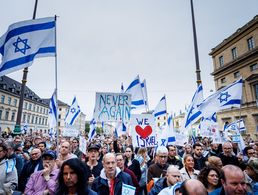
column 244, row 64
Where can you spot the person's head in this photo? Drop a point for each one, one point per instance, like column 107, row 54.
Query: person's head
column 142, row 152
column 188, row 149
column 129, row 152
column 65, row 148
column 227, row 149
column 214, row 146
column 3, row 151
column 209, row 176
column 252, row 168
column 192, row 187
column 35, row 154
column 188, row 161
column 233, row 180
column 93, row 152
column 49, row 159
column 37, row 140
column 162, row 155
column 215, row 161
column 249, row 151
column 197, row 149
column 42, row 146
column 104, row 149
column 109, row 164
column 10, row 148
column 27, row 144
column 173, row 175
column 120, row 161
column 17, row 140
column 73, row 175
column 75, row 143
column 172, row 151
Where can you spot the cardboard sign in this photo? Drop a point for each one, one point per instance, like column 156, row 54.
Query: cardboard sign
column 143, row 130
column 112, row 107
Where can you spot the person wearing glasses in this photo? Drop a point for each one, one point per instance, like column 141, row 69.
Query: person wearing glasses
column 227, row 156
column 172, row 177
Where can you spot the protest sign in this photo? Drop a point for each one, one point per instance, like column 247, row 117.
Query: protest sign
column 112, row 107
column 70, row 132
column 143, row 130
column 83, row 145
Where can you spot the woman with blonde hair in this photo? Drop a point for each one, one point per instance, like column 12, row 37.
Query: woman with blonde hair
column 188, row 171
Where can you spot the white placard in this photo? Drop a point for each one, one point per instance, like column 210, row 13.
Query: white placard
column 83, row 144
column 70, row 132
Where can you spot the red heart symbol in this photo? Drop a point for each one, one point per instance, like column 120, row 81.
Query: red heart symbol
column 143, row 132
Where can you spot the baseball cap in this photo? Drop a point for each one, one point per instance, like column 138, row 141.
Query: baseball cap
column 253, row 163
column 93, row 147
column 49, row 153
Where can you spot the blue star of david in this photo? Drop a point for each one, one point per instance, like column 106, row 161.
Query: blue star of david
column 73, row 110
column 50, row 111
column 224, row 97
column 21, row 45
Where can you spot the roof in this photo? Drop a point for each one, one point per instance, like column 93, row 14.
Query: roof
column 9, row 85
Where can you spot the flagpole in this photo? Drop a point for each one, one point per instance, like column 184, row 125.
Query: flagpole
column 57, row 129
column 198, row 71
column 17, row 129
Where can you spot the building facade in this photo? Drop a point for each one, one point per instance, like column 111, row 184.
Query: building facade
column 233, row 58
column 35, row 111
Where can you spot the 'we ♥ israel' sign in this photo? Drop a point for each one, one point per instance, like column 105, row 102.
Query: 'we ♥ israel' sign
column 143, row 130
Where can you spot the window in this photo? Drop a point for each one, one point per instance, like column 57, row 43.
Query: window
column 13, row 116
column 32, row 119
column 237, row 74
column 221, row 60
column 29, row 107
column 2, row 99
column 39, row 120
column 256, row 91
column 9, row 100
column 59, row 116
column 223, row 80
column 250, row 43
column 1, row 112
column 28, row 119
column 25, row 105
column 234, row 53
column 15, row 102
column 254, row 67
column 24, row 118
column 40, row 109
column 36, row 120
column 6, row 115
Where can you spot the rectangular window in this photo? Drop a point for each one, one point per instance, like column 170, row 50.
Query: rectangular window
column 221, row 60
column 36, row 120
column 32, row 119
column 223, row 80
column 250, row 43
column 15, row 102
column 24, row 118
column 28, row 119
column 2, row 99
column 30, row 105
column 1, row 112
column 254, row 67
column 6, row 115
column 237, row 74
column 234, row 53
column 9, row 100
column 25, row 105
column 13, row 116
column 256, row 91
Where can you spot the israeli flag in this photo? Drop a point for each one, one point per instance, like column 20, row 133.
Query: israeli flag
column 128, row 189
column 135, row 90
column 171, row 133
column 144, row 91
column 227, row 97
column 237, row 125
column 52, row 114
column 92, row 132
column 73, row 112
column 193, row 113
column 120, row 128
column 161, row 108
column 25, row 41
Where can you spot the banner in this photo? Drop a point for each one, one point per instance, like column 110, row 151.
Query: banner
column 70, row 132
column 112, row 107
column 143, row 130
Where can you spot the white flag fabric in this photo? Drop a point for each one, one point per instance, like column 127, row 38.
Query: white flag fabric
column 236, row 125
column 128, row 189
column 135, row 90
column 161, row 108
column 208, row 126
column 120, row 128
column 73, row 112
column 171, row 133
column 193, row 113
column 227, row 97
column 25, row 41
column 145, row 96
column 52, row 114
column 92, row 131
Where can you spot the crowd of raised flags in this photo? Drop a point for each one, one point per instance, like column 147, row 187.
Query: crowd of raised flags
column 30, row 39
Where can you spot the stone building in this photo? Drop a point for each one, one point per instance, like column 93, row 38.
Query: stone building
column 235, row 57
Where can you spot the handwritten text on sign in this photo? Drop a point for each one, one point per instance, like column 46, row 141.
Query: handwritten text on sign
column 143, row 130
column 112, row 107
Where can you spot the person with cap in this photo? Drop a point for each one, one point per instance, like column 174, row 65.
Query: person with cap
column 44, row 182
column 93, row 166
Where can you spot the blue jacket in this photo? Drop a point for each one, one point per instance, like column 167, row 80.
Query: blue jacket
column 158, row 186
column 100, row 184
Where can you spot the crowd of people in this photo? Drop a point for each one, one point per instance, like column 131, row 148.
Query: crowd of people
column 36, row 165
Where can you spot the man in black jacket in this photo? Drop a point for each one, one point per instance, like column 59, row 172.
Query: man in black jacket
column 199, row 160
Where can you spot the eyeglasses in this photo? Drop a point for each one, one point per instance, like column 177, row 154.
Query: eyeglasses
column 34, row 154
column 251, row 153
column 163, row 156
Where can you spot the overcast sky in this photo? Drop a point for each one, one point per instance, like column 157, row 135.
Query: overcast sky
column 102, row 43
